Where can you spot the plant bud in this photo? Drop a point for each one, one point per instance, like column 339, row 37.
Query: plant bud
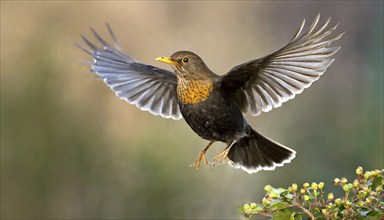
column 306, row 198
column 375, row 173
column 294, row 186
column 356, row 183
column 259, row 209
column 336, row 181
column 268, row 188
column 253, row 205
column 314, row 185
column 265, row 201
column 330, row 196
column 345, row 188
column 338, row 201
column 359, row 170
column 344, row 180
column 306, row 185
column 325, row 212
column 320, row 185
column 348, row 203
column 367, row 175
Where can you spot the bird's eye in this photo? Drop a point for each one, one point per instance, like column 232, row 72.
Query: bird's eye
column 185, row 60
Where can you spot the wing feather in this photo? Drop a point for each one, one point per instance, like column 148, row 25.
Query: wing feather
column 149, row 88
column 265, row 83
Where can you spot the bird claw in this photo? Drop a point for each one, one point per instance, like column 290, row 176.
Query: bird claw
column 200, row 157
column 218, row 159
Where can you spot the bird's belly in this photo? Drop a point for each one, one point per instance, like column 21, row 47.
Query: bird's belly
column 215, row 122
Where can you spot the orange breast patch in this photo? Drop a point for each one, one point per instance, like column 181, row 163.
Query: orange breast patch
column 193, row 91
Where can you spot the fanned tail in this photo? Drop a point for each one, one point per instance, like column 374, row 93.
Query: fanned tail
column 256, row 152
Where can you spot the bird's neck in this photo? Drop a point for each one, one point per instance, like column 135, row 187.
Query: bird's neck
column 193, row 90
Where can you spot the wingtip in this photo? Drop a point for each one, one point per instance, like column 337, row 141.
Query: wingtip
column 92, row 29
column 107, row 25
column 83, row 49
column 314, row 23
column 115, row 41
column 298, row 32
column 91, row 45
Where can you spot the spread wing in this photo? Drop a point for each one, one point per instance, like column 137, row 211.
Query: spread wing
column 265, row 83
column 149, row 88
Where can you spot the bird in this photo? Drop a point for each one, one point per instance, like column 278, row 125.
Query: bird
column 214, row 106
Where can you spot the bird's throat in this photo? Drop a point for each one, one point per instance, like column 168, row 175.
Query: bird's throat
column 192, row 91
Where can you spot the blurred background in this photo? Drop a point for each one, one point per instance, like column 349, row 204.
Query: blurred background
column 71, row 150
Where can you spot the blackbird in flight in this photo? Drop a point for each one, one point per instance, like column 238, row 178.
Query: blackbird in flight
column 213, row 105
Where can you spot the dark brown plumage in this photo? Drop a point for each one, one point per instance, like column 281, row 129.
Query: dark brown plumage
column 213, row 105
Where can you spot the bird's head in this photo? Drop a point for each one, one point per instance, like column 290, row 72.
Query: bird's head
column 187, row 64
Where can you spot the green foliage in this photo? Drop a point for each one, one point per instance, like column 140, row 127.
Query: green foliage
column 363, row 199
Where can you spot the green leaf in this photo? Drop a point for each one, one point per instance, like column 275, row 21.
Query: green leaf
column 283, row 214
column 277, row 205
column 374, row 215
column 275, row 193
column 377, row 182
column 364, row 212
column 289, row 196
column 318, row 215
column 298, row 216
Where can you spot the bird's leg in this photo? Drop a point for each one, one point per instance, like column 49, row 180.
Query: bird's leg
column 202, row 157
column 218, row 159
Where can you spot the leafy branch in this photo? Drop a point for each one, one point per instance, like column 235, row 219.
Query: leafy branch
column 363, row 199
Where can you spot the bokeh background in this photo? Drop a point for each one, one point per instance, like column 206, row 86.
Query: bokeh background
column 71, row 150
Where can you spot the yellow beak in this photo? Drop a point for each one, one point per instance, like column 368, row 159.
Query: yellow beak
column 167, row 60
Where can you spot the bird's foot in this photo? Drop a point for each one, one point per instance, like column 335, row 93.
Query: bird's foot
column 218, row 159
column 200, row 157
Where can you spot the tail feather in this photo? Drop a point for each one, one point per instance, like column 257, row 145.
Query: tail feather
column 256, row 152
